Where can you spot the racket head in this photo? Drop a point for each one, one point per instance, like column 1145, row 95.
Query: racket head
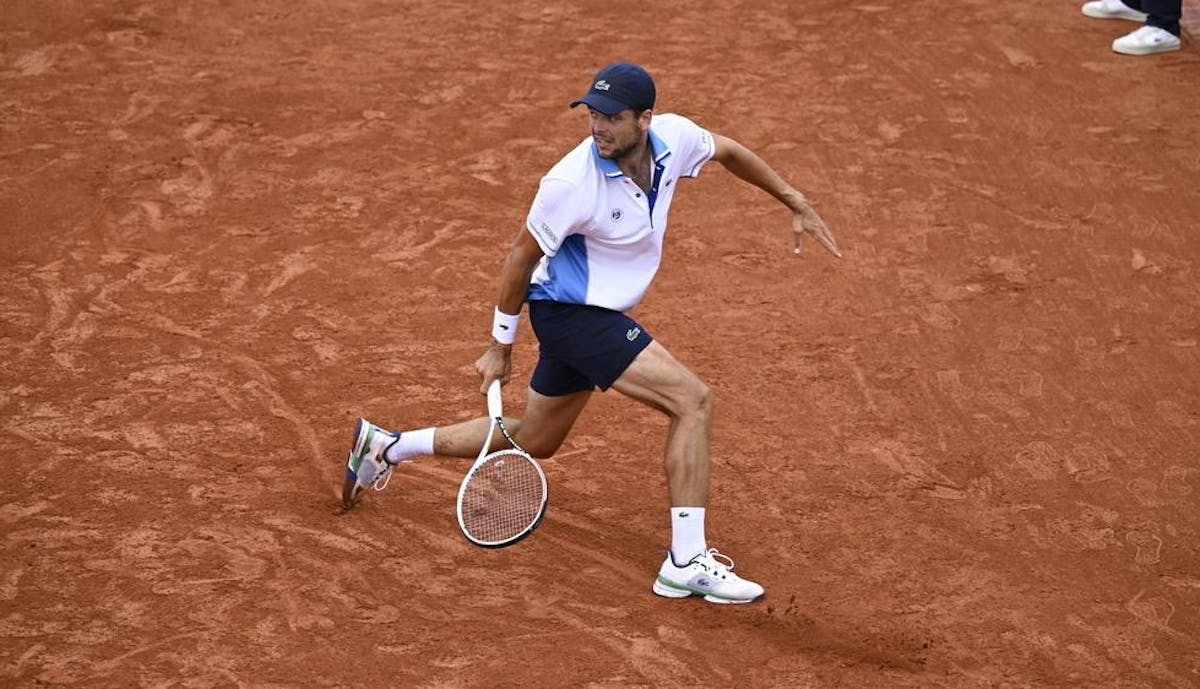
column 502, row 499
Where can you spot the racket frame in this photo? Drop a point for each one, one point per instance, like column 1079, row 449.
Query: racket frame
column 496, row 413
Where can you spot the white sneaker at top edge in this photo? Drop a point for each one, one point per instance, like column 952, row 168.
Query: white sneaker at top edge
column 1147, row 40
column 1112, row 9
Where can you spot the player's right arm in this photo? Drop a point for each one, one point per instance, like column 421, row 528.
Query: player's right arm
column 522, row 259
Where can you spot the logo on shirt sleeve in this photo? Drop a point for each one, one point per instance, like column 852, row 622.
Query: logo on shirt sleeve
column 617, row 214
column 543, row 230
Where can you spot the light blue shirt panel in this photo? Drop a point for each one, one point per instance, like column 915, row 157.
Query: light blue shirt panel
column 568, row 274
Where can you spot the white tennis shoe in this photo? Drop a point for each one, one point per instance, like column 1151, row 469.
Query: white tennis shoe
column 1147, row 40
column 1112, row 9
column 367, row 464
column 707, row 576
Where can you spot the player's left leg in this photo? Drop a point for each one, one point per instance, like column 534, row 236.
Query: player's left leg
column 691, row 568
column 657, row 379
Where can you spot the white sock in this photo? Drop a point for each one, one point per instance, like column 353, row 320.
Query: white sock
column 687, row 534
column 411, row 444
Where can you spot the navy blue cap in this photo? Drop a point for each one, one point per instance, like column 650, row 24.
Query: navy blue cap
column 619, row 86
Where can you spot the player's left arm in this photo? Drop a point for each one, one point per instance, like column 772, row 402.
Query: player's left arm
column 748, row 166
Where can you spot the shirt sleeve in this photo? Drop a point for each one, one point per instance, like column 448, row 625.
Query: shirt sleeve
column 554, row 215
column 696, row 147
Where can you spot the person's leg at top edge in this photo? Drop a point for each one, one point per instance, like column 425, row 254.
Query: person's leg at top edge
column 1160, row 32
column 659, row 380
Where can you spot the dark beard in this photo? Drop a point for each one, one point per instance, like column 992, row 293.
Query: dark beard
column 619, row 153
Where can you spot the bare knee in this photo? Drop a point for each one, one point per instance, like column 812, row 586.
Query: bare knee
column 543, row 452
column 542, row 449
column 548, row 420
column 540, row 446
column 706, row 400
column 696, row 403
column 513, row 426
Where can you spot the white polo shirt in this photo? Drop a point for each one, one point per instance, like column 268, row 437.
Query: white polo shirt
column 601, row 233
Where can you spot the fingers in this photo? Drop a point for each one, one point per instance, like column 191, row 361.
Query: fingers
column 807, row 221
column 827, row 240
column 494, row 364
column 486, row 380
column 817, row 228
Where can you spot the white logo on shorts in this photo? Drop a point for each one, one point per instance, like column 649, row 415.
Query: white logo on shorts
column 633, row 334
column 602, row 85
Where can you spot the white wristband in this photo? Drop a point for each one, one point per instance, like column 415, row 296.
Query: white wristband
column 504, row 327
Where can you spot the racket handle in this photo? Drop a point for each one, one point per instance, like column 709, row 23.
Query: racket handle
column 494, row 400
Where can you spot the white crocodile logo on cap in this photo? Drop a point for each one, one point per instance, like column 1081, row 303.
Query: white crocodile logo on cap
column 602, row 85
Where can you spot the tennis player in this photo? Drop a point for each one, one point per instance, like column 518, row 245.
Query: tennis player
column 589, row 249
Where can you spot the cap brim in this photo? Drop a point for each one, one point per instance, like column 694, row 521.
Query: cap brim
column 602, row 103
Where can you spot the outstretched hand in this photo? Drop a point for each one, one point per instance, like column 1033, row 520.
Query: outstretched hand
column 806, row 221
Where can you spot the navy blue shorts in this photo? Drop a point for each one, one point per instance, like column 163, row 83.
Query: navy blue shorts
column 582, row 347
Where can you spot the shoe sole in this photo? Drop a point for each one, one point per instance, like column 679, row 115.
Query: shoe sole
column 1131, row 16
column 1150, row 50
column 666, row 591
column 349, row 494
column 350, row 483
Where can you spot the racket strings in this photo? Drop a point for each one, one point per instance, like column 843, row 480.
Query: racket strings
column 503, row 498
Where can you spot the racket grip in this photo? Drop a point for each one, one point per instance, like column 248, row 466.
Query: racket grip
column 495, row 401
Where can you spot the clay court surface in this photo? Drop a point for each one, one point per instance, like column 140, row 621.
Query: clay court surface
column 963, row 456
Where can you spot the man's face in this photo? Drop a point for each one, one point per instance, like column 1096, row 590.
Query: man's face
column 616, row 135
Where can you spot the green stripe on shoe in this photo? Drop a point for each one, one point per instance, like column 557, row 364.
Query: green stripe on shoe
column 667, row 582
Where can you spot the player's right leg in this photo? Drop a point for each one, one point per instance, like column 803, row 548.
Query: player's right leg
column 541, row 429
column 375, row 452
column 558, row 392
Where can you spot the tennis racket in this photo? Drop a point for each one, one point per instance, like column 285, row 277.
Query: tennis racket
column 503, row 497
